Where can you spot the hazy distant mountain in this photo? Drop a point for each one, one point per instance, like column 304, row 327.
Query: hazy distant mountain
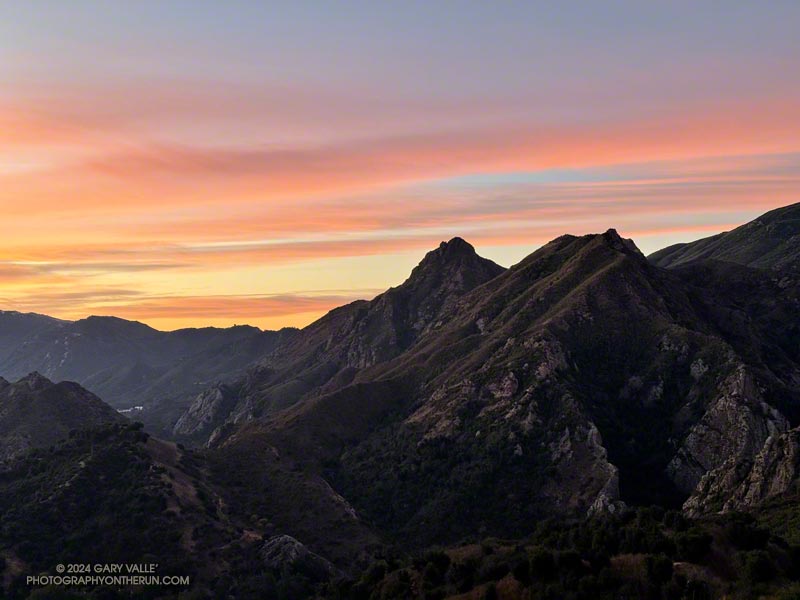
column 770, row 242
column 127, row 363
column 36, row 413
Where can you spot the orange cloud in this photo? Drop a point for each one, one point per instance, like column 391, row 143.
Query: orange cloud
column 90, row 200
column 230, row 307
column 172, row 312
column 133, row 174
column 355, row 165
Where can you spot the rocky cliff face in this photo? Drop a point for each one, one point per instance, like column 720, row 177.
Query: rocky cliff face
column 775, row 471
column 287, row 556
column 720, row 449
column 203, row 414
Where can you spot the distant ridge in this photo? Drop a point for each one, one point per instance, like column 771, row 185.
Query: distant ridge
column 128, row 363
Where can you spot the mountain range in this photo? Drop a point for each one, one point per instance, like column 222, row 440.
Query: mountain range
column 471, row 402
column 127, row 363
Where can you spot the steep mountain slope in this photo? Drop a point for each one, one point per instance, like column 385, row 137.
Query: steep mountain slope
column 579, row 378
column 130, row 364
column 113, row 494
column 108, row 495
column 36, row 413
column 770, row 242
column 327, row 354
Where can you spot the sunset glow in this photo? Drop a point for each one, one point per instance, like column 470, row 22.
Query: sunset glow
column 190, row 164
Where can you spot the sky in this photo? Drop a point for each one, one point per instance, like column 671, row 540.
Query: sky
column 203, row 163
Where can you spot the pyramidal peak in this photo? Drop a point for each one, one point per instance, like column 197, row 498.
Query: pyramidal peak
column 451, row 251
column 454, row 258
column 35, row 381
column 457, row 245
column 613, row 239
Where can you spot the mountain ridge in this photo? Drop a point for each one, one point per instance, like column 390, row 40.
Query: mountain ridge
column 129, row 363
column 771, row 241
column 584, row 339
column 328, row 353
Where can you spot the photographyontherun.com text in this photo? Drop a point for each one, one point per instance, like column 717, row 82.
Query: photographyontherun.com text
column 107, row 574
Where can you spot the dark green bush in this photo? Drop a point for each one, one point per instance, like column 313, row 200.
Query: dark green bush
column 757, row 566
column 692, row 545
column 542, row 564
column 659, row 568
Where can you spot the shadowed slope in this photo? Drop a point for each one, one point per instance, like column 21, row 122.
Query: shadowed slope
column 771, row 241
column 35, row 413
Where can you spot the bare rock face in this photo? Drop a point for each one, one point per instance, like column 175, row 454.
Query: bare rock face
column 205, row 413
column 587, row 482
column 287, row 556
column 721, row 449
column 529, row 426
column 775, row 471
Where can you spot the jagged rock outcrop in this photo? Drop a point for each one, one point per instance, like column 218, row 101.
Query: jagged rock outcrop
column 287, row 556
column 725, row 441
column 205, row 413
column 775, row 471
column 742, row 483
